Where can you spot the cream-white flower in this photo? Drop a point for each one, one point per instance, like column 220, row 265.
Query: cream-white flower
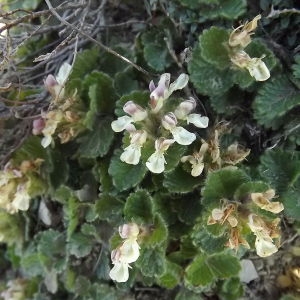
column 164, row 89
column 264, row 245
column 183, row 136
column 121, row 123
column 156, row 162
column 132, row 153
column 119, row 272
column 263, row 201
column 258, row 69
column 196, row 160
column 180, row 134
column 130, row 251
column 183, row 112
column 197, row 120
column 21, row 199
column 55, row 85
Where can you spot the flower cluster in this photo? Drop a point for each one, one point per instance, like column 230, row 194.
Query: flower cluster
column 127, row 253
column 63, row 117
column 157, row 125
column 210, row 155
column 239, row 39
column 264, row 230
column 18, row 185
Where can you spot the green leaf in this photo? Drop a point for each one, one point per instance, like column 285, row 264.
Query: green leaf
column 207, row 79
column 296, row 67
column 125, row 176
column 156, row 52
column 213, row 42
column 223, row 265
column 173, row 155
column 185, row 294
column 139, row 207
column 231, row 289
column 85, row 62
column 97, row 142
column 188, row 208
column 179, row 181
column 125, row 82
column 171, row 277
column 103, row 292
column 198, row 273
column 71, row 215
column 108, row 207
column 158, row 234
column 278, row 93
column 291, row 202
column 196, row 4
column 207, row 242
column 51, row 243
column 222, row 184
column 102, row 96
column 229, row 103
column 232, row 9
column 30, row 262
column 280, row 168
column 56, row 167
column 80, row 245
column 152, row 262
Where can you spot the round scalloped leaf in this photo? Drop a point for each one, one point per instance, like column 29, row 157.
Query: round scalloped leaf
column 280, row 168
column 296, row 67
column 198, row 273
column 223, row 265
column 125, row 176
column 139, row 208
column 291, row 202
column 213, row 43
column 171, row 278
column 207, row 79
column 152, row 262
column 156, row 52
column 96, row 143
column 179, row 181
column 222, row 184
column 159, row 233
column 281, row 95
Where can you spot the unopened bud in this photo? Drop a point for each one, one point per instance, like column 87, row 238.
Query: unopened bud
column 130, row 230
column 135, row 111
column 37, row 126
column 169, row 121
column 185, row 108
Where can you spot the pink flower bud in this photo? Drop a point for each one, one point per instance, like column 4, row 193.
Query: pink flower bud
column 135, row 111
column 130, row 230
column 37, row 126
column 185, row 108
column 115, row 255
column 50, row 82
column 169, row 121
column 152, row 86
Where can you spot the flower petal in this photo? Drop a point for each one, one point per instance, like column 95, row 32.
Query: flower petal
column 197, row 169
column 264, row 246
column 258, row 69
column 121, row 123
column 178, row 84
column 182, row 136
column 63, row 73
column 131, row 154
column 198, row 120
column 119, row 272
column 130, row 251
column 156, row 163
column 46, row 141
